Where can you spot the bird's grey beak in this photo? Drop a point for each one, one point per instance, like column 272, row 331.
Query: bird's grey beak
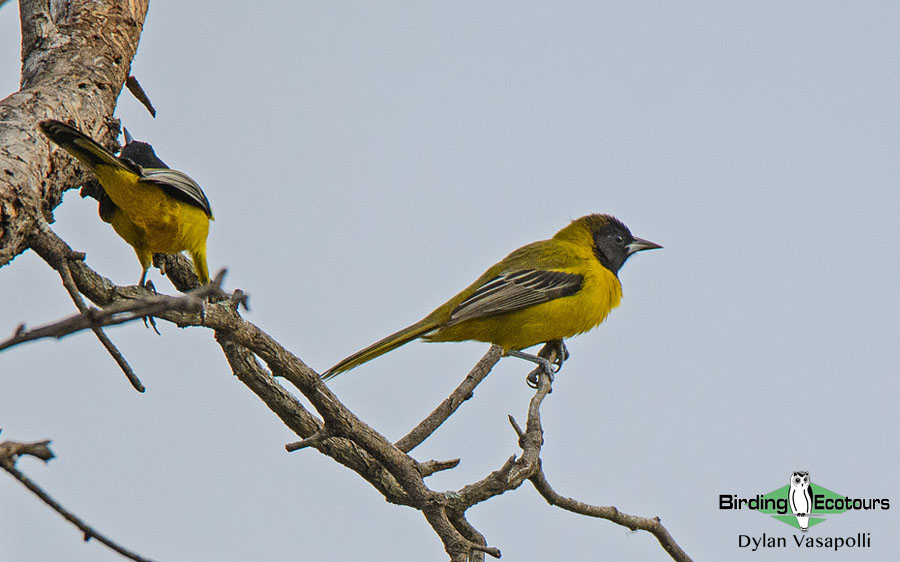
column 128, row 137
column 640, row 244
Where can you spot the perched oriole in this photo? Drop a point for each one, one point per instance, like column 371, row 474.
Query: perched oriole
column 545, row 291
column 150, row 206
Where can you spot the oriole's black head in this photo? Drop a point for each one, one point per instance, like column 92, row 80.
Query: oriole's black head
column 134, row 152
column 141, row 153
column 613, row 242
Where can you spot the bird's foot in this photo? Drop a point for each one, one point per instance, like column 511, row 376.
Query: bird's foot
column 532, row 379
column 149, row 320
column 562, row 352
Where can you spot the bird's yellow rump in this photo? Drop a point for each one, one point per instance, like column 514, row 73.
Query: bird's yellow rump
column 546, row 291
column 152, row 207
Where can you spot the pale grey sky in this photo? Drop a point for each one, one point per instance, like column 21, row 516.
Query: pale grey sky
column 366, row 162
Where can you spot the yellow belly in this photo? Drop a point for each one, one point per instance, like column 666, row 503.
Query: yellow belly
column 158, row 223
column 153, row 222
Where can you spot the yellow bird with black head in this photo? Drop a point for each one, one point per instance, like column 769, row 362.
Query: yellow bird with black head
column 546, row 291
column 153, row 208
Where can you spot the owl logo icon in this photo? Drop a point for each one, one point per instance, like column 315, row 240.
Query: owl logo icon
column 800, row 496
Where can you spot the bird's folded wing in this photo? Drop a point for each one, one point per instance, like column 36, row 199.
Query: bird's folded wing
column 514, row 290
column 178, row 185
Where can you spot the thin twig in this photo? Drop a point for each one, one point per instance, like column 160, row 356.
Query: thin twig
column 446, row 408
column 516, row 427
column 428, row 468
column 118, row 313
column 493, row 551
column 652, row 525
column 7, row 463
column 66, row 276
column 313, row 440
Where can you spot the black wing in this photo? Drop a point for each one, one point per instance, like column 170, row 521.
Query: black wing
column 178, row 185
column 514, row 290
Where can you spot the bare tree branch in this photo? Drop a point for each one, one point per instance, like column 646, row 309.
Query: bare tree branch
column 652, row 525
column 298, row 419
column 119, row 313
column 9, row 453
column 76, row 57
column 334, row 430
column 514, row 471
column 352, row 442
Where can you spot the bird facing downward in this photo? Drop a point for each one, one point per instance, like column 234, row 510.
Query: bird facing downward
column 152, row 207
column 546, row 291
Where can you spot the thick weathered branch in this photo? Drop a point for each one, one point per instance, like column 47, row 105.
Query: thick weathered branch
column 75, row 57
column 351, row 442
column 242, row 342
column 299, row 420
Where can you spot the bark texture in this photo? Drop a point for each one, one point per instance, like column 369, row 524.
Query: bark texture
column 75, row 58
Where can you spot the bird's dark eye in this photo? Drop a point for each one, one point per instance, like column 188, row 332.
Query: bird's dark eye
column 619, row 239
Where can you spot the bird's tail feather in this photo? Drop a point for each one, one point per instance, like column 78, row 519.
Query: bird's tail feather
column 380, row 347
column 79, row 145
